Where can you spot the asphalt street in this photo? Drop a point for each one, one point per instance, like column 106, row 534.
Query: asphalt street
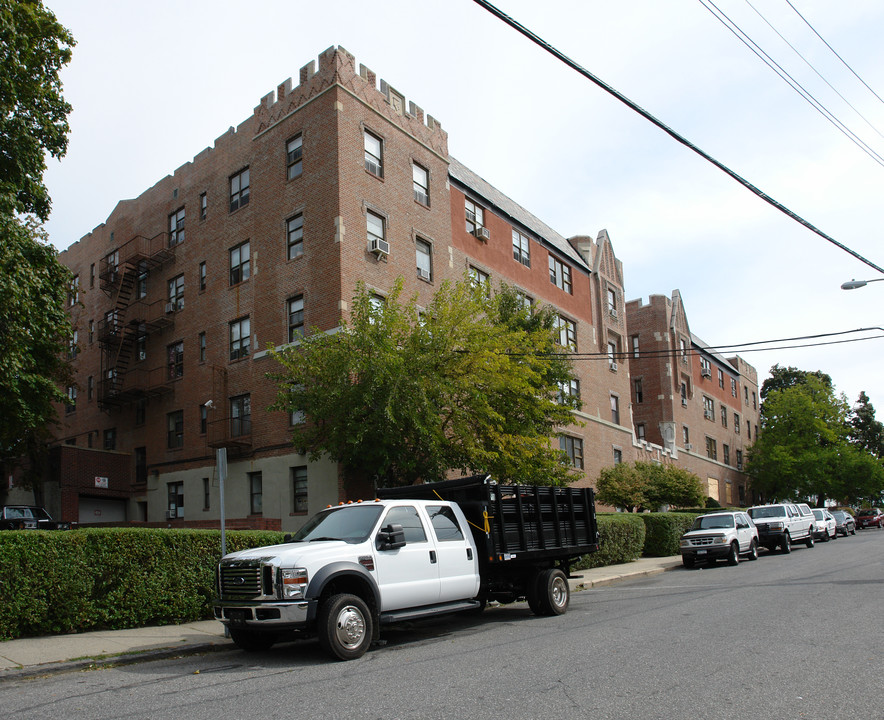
column 785, row 636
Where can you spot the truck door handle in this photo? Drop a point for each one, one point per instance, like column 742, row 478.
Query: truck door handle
column 432, row 556
column 469, row 553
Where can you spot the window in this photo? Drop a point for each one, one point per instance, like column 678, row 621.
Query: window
column 748, row 429
column 573, row 449
column 176, row 227
column 294, row 150
column 140, row 465
column 634, row 342
column 90, row 387
column 720, row 378
column 176, row 294
column 639, row 395
column 299, row 490
column 421, row 181
column 754, row 405
column 140, row 411
column 374, row 154
column 686, row 435
column 72, row 345
column 444, row 523
column 711, row 448
column 202, row 276
column 239, row 190
column 240, row 264
column 110, row 439
column 175, row 429
column 727, row 454
column 708, row 408
column 207, row 493
column 475, row 215
column 705, row 367
column 240, row 338
column 733, row 387
column 375, row 229
column 683, row 346
column 479, row 277
column 91, row 331
column 618, row 456
column 723, row 416
column 684, row 394
column 204, row 419
column 92, row 275
column 71, row 403
column 176, row 500
column 569, row 388
column 294, row 234
column 240, row 415
column 612, row 354
column 256, row 493
column 567, row 332
column 175, row 362
column 202, row 346
column 640, row 431
column 739, row 459
column 615, row 409
column 407, row 517
column 612, row 302
column 423, row 252
column 296, row 318
column 141, row 280
column 74, row 291
column 521, row 248
column 737, row 423
column 204, row 206
column 559, row 274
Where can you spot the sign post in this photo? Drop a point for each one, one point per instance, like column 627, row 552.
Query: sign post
column 222, row 476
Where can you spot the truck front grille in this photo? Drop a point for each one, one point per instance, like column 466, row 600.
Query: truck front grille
column 241, row 581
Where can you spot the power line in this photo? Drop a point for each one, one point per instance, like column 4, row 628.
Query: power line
column 669, row 131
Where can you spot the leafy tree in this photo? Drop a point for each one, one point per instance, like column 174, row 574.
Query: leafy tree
column 621, row 486
column 400, row 395
column 33, row 113
column 34, row 335
column 645, row 485
column 782, row 378
column 866, row 432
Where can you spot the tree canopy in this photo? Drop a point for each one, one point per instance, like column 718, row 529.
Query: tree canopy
column 648, row 486
column 804, row 448
column 472, row 383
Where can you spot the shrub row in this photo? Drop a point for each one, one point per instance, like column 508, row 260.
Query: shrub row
column 114, row 578
column 621, row 540
column 664, row 530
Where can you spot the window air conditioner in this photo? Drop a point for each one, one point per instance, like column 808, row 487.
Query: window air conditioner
column 614, row 367
column 423, row 274
column 706, row 372
column 170, row 514
column 379, row 247
column 482, row 233
column 613, row 312
column 688, row 446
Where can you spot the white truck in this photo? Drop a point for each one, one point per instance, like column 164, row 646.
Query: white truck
column 414, row 552
column 781, row 524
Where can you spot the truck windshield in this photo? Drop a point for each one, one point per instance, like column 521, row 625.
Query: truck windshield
column 351, row 523
column 767, row 512
column 708, row 522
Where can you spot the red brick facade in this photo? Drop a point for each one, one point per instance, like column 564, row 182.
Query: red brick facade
column 171, row 265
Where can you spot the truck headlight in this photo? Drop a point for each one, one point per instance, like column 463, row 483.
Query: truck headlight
column 685, row 542
column 292, row 583
column 776, row 526
column 718, row 540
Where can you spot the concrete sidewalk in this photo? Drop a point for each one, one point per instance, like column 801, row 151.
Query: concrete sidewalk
column 57, row 653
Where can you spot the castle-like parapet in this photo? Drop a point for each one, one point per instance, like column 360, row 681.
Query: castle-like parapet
column 337, row 66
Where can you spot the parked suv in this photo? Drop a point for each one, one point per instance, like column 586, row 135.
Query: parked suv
column 719, row 535
column 782, row 524
column 870, row 517
column 824, row 525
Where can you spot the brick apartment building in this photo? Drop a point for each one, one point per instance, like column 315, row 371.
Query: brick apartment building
column 696, row 404
column 181, row 290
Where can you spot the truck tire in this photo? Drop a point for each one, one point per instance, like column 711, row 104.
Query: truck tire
column 553, row 592
column 252, row 640
column 786, row 544
column 733, row 557
column 344, row 626
column 753, row 550
column 809, row 541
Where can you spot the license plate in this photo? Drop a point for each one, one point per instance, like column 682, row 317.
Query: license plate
column 701, row 552
column 237, row 615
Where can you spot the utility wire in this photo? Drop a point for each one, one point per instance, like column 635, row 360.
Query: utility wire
column 833, row 50
column 810, row 65
column 723, row 18
column 669, row 131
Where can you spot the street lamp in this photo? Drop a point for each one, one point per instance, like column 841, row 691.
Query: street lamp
column 854, row 284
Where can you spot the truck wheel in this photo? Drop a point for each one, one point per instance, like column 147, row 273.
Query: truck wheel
column 533, row 595
column 553, row 592
column 344, row 626
column 687, row 561
column 733, row 557
column 753, row 551
column 252, row 641
column 786, row 544
column 809, row 541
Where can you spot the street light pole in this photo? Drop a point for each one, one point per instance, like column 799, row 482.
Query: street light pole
column 855, row 284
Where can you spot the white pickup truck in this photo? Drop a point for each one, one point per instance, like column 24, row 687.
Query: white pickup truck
column 781, row 524
column 416, row 552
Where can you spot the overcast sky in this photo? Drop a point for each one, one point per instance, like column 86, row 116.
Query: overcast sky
column 153, row 83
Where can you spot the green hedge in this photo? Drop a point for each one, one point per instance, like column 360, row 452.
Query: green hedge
column 622, row 537
column 664, row 530
column 114, row 578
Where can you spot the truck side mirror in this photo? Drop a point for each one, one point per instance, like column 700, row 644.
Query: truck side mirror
column 391, row 537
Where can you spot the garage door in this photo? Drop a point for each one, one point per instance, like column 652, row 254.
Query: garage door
column 102, row 510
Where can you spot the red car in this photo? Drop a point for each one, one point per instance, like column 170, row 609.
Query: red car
column 870, row 517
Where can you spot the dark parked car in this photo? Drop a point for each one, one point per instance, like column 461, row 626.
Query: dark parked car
column 870, row 517
column 844, row 523
column 29, row 517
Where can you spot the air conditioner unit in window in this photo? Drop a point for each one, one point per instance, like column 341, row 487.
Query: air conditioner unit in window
column 688, row 446
column 613, row 312
column 684, row 402
column 170, row 308
column 614, row 367
column 423, row 274
column 379, row 247
column 482, row 233
column 170, row 514
column 706, row 372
